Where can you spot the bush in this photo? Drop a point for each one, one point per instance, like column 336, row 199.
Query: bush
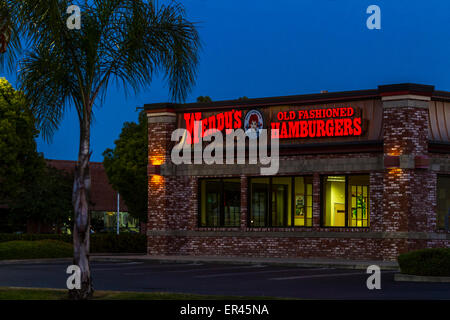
column 426, row 262
column 34, row 237
column 100, row 242
column 122, row 243
column 21, row 249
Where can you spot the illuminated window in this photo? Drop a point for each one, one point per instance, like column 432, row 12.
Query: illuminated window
column 345, row 201
column 303, row 201
column 443, row 200
column 220, row 202
column 280, row 202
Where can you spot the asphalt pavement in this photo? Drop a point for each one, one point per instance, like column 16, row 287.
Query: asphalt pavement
column 225, row 279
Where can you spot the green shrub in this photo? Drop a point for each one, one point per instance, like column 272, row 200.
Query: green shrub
column 34, row 236
column 426, row 262
column 21, row 249
column 100, row 242
column 122, row 243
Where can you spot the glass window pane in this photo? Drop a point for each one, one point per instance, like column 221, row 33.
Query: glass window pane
column 358, row 186
column 259, row 201
column 303, row 201
column 220, row 202
column 281, row 201
column 300, row 201
column 334, row 201
column 232, row 202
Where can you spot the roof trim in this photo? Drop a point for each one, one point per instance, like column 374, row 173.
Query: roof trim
column 303, row 99
column 269, row 101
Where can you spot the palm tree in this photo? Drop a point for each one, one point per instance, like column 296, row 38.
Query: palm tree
column 10, row 43
column 121, row 41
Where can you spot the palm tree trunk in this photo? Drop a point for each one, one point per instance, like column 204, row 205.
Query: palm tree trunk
column 81, row 229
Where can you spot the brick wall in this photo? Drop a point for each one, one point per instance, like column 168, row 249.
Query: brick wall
column 402, row 204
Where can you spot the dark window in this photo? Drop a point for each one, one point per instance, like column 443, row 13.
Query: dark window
column 345, row 201
column 280, row 202
column 443, row 200
column 220, row 202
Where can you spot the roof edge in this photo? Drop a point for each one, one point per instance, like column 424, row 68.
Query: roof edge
column 302, row 99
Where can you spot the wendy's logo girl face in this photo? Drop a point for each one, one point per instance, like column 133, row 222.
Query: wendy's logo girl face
column 253, row 123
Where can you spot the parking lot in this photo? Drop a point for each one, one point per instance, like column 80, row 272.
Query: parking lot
column 226, row 279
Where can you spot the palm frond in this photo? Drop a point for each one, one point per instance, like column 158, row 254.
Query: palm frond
column 126, row 42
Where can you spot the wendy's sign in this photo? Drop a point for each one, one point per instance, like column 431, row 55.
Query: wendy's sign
column 222, row 121
column 313, row 123
column 316, row 123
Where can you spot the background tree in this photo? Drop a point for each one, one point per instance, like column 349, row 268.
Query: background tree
column 30, row 189
column 204, row 99
column 126, row 166
column 47, row 200
column 124, row 41
column 20, row 162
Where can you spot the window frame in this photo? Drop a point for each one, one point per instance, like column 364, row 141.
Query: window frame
column 268, row 216
column 221, row 208
column 322, row 198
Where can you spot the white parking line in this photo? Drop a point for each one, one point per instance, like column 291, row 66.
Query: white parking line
column 195, row 270
column 128, row 263
column 118, row 267
column 218, row 269
column 246, row 273
column 135, row 273
column 323, row 275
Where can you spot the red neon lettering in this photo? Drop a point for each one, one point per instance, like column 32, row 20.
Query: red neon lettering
column 357, row 124
column 283, row 131
column 300, row 114
column 312, row 128
column 293, row 129
column 338, row 127
column 190, row 118
column 303, row 129
column 329, row 127
column 229, row 119
column 320, row 128
column 350, row 112
column 237, row 119
column 348, row 131
column 220, row 123
column 275, row 126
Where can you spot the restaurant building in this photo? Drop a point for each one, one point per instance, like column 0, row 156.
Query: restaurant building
column 362, row 175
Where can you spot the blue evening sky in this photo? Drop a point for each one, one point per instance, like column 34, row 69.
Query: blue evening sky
column 260, row 48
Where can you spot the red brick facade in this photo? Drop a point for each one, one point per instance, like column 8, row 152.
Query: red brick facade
column 402, row 199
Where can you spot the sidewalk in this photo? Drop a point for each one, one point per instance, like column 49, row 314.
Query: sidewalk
column 297, row 262
column 292, row 262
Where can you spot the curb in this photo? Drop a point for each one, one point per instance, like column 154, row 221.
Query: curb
column 412, row 278
column 96, row 257
column 355, row 265
column 35, row 261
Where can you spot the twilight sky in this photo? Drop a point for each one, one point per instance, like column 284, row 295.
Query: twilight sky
column 261, row 48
